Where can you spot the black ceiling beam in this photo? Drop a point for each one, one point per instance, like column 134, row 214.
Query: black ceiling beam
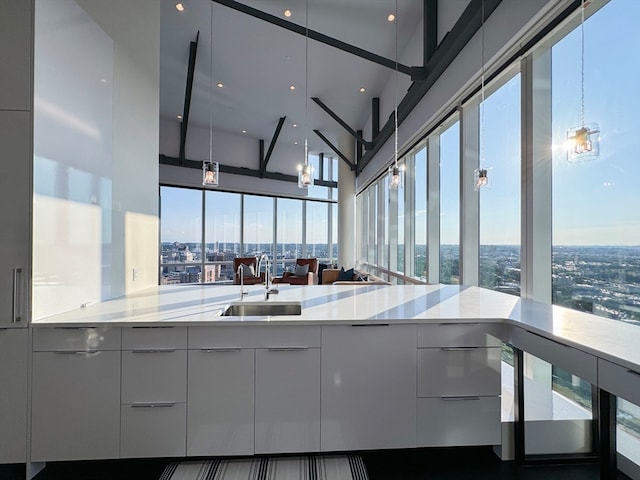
column 343, row 124
column 430, row 25
column 193, row 50
column 358, row 150
column 352, row 166
column 247, row 172
column 375, row 117
column 464, row 29
column 267, row 157
column 317, row 36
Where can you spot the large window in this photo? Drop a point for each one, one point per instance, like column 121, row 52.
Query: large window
column 222, row 235
column 289, row 241
column 450, row 205
column 318, row 231
column 420, row 214
column 500, row 204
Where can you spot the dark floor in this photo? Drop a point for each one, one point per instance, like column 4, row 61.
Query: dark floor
column 421, row 464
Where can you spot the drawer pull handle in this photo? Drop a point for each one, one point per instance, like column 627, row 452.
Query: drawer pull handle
column 460, row 398
column 287, row 349
column 458, row 349
column 154, row 350
column 159, row 326
column 369, row 324
column 633, row 372
column 153, row 405
column 76, row 352
column 220, row 350
column 459, row 324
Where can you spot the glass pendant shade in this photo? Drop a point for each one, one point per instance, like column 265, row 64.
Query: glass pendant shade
column 305, row 176
column 583, row 143
column 396, row 177
column 480, row 179
column 210, row 174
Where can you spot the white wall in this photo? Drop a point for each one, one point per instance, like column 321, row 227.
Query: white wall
column 95, row 214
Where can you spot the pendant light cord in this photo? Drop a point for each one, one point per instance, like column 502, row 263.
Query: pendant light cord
column 482, row 79
column 396, row 90
column 211, row 90
column 306, row 84
column 582, row 63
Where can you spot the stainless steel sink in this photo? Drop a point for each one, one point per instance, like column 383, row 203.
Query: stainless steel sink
column 262, row 308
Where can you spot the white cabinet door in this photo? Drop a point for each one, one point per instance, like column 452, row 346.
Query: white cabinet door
column 368, row 398
column 15, row 196
column 75, row 405
column 220, row 414
column 153, row 430
column 287, row 400
column 13, row 395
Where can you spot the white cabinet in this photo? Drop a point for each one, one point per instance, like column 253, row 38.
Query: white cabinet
column 15, row 195
column 287, row 400
column 154, row 392
column 220, row 419
column 16, row 58
column 76, row 405
column 13, row 395
column 458, row 386
column 368, row 396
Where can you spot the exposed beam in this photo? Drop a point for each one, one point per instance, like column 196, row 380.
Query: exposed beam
column 265, row 160
column 375, row 118
column 343, row 124
column 247, row 172
column 260, row 153
column 467, row 25
column 317, row 36
column 358, row 150
column 335, row 149
column 193, row 50
column 430, row 33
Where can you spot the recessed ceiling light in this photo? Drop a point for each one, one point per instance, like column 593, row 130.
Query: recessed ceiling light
column 244, row 131
column 294, row 125
column 362, row 90
column 292, row 87
column 287, row 13
column 295, row 143
column 180, row 7
column 179, row 117
column 391, row 17
column 219, row 84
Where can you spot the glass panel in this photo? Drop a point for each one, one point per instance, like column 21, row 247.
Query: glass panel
column 180, row 225
column 500, row 203
column 628, row 431
column 400, row 229
column 420, row 214
column 596, row 226
column 222, row 235
column 383, row 222
column 450, row 205
column 258, row 226
column 318, row 231
column 289, row 239
column 317, row 191
column 334, row 233
column 373, row 225
column 176, row 274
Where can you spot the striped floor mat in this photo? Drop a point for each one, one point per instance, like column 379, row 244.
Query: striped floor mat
column 320, row 467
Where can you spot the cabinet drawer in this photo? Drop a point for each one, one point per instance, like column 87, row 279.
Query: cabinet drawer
column 154, row 337
column 76, row 339
column 153, row 430
column 254, row 337
column 620, row 381
column 568, row 358
column 458, row 371
column 154, row 376
column 444, row 422
column 459, row 335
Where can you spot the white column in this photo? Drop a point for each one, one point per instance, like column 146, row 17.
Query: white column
column 346, row 204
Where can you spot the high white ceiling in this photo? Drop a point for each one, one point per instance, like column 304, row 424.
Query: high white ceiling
column 258, row 61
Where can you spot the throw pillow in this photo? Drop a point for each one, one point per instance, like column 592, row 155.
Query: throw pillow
column 301, row 270
column 345, row 275
column 247, row 270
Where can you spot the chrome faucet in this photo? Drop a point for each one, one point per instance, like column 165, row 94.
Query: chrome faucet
column 269, row 290
column 240, row 273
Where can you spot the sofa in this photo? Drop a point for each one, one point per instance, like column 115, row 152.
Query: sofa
column 311, row 277
column 330, row 277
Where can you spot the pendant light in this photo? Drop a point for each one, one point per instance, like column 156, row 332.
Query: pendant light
column 481, row 174
column 583, row 142
column 210, row 169
column 396, row 172
column 305, row 171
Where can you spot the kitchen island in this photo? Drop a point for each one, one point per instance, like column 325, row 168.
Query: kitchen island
column 164, row 373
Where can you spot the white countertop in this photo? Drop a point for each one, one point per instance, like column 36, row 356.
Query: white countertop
column 347, row 304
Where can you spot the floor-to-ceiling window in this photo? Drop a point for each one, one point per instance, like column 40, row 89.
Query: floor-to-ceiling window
column 500, row 203
column 450, row 204
column 317, row 235
column 289, row 234
column 222, row 235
